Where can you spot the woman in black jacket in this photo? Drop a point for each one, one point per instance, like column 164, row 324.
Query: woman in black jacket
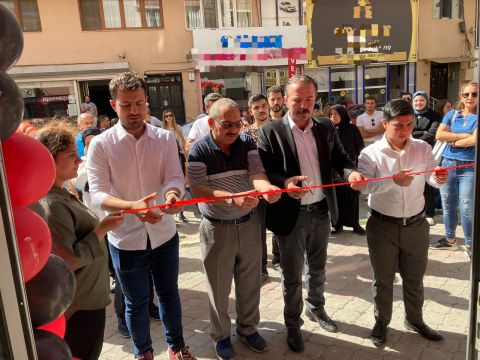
column 347, row 198
column 425, row 125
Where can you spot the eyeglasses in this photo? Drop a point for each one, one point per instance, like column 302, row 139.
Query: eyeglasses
column 467, row 95
column 228, row 125
column 168, row 115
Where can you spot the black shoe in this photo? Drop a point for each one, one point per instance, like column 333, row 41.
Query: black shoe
column 379, row 333
column 338, row 229
column 294, row 340
column 322, row 318
column 123, row 329
column 359, row 230
column 264, row 277
column 426, row 331
column 276, row 264
column 154, row 312
column 182, row 217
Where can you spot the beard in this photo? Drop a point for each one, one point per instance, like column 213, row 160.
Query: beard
column 276, row 108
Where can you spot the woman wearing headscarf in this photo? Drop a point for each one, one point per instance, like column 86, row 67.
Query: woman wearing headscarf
column 425, row 125
column 347, row 198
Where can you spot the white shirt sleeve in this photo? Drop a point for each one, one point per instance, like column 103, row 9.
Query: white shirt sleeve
column 81, row 179
column 98, row 172
column 367, row 165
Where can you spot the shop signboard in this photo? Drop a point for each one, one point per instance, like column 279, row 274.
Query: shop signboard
column 254, row 46
column 361, row 31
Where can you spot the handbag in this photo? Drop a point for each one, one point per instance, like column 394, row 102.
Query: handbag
column 440, row 146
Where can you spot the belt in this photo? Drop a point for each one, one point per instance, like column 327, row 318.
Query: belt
column 320, row 205
column 238, row 221
column 396, row 220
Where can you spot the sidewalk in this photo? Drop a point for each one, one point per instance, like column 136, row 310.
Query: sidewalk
column 348, row 302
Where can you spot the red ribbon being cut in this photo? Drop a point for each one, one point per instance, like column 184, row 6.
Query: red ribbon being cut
column 279, row 191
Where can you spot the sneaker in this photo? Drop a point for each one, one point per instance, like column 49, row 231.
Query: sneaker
column 431, row 221
column 112, row 285
column 182, row 354
column 154, row 312
column 444, row 244
column 123, row 329
column 276, row 266
column 254, row 341
column 224, row 349
column 145, row 356
column 468, row 252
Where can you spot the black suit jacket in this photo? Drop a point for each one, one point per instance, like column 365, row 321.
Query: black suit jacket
column 425, row 126
column 278, row 152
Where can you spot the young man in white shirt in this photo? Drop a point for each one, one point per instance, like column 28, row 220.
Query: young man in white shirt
column 200, row 127
column 123, row 175
column 397, row 231
column 370, row 122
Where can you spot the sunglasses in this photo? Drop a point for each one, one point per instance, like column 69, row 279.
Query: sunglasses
column 228, row 125
column 168, row 115
column 467, row 95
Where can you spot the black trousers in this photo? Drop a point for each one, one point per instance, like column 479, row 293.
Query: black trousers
column 84, row 333
column 429, row 194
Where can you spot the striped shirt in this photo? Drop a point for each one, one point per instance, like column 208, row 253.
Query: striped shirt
column 210, row 166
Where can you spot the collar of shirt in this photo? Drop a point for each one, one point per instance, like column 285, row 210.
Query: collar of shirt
column 122, row 133
column 294, row 126
column 385, row 147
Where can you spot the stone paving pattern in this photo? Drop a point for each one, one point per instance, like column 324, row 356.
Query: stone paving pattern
column 348, row 302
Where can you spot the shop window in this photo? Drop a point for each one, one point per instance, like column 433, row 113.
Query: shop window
column 447, row 9
column 209, row 14
column 26, row 12
column 375, row 83
column 342, row 85
column 120, row 14
column 234, row 85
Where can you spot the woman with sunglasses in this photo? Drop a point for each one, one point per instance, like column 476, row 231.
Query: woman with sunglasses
column 170, row 124
column 459, row 130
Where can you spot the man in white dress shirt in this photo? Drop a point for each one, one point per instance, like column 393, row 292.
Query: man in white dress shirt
column 370, row 122
column 397, row 231
column 123, row 175
column 200, row 127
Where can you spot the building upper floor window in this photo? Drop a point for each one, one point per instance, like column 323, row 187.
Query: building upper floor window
column 218, row 13
column 26, row 12
column 447, row 9
column 120, row 14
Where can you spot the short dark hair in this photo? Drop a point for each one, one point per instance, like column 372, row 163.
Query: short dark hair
column 275, row 89
column 302, row 79
column 255, row 98
column 102, row 117
column 371, row 98
column 397, row 107
column 406, row 93
column 128, row 80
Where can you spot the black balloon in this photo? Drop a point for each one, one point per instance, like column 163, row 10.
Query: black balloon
column 11, row 39
column 50, row 292
column 50, row 346
column 11, row 105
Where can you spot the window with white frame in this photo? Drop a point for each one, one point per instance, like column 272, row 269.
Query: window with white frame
column 447, row 9
column 218, row 13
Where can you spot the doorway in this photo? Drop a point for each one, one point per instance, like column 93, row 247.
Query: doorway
column 438, row 81
column 165, row 91
column 396, row 80
column 99, row 95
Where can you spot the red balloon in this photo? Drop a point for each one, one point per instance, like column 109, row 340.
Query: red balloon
column 57, row 326
column 30, row 169
column 34, row 241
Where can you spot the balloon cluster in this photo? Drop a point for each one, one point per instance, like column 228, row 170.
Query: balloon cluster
column 30, row 169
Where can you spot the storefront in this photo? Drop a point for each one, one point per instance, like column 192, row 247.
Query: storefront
column 239, row 63
column 368, row 49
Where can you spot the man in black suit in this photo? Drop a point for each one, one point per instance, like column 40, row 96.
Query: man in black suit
column 298, row 150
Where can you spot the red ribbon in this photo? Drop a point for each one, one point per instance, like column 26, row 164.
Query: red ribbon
column 279, row 191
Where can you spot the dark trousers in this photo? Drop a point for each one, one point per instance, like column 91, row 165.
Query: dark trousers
column 429, row 194
column 133, row 269
column 305, row 246
column 275, row 250
column 262, row 211
column 119, row 299
column 394, row 247
column 84, row 333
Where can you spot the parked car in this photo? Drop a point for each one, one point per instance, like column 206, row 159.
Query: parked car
column 287, row 6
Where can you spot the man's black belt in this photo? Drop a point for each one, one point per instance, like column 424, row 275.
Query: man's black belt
column 238, row 221
column 396, row 220
column 320, row 205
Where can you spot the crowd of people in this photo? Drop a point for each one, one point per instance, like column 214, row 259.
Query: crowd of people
column 292, row 142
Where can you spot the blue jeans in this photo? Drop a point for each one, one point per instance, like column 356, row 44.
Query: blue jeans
column 456, row 193
column 133, row 270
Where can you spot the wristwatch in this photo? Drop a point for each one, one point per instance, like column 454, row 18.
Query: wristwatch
column 229, row 201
